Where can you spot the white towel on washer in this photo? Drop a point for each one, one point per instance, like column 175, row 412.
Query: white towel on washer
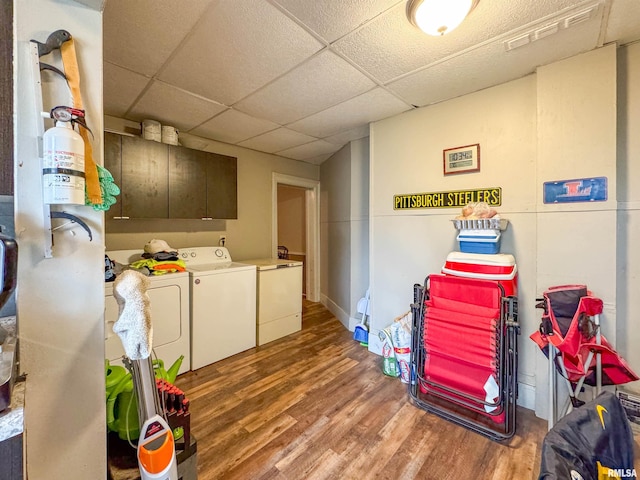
column 134, row 321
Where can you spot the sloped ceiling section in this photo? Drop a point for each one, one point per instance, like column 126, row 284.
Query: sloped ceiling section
column 300, row 78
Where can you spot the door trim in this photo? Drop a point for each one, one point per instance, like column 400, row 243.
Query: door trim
column 312, row 213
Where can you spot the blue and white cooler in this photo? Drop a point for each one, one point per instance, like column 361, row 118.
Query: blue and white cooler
column 479, row 240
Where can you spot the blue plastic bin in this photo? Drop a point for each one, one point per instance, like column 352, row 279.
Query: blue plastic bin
column 486, row 243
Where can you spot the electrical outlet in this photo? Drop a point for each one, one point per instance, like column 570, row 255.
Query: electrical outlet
column 222, row 240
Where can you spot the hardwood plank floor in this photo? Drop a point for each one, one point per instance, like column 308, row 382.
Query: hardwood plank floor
column 315, row 405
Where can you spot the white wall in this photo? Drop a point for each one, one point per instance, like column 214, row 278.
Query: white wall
column 60, row 301
column 247, row 237
column 344, row 224
column 359, row 219
column 576, row 243
column 557, row 124
column 406, row 157
column 628, row 232
column 335, row 233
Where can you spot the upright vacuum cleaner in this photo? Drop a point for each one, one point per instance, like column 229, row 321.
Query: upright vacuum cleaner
column 156, row 447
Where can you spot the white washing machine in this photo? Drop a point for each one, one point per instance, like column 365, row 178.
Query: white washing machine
column 279, row 298
column 169, row 295
column 223, row 304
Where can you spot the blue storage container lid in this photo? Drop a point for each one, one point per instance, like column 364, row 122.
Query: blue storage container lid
column 479, row 238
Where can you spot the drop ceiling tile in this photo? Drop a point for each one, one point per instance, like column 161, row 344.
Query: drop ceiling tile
column 391, row 36
column 331, row 19
column 238, row 47
column 318, row 160
column 232, row 126
column 172, row 106
column 276, row 140
column 310, row 150
column 624, row 22
column 466, row 73
column 321, row 82
column 121, row 88
column 363, row 109
column 347, row 136
column 281, row 73
column 142, row 34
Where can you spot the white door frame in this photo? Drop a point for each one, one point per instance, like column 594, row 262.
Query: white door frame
column 312, row 226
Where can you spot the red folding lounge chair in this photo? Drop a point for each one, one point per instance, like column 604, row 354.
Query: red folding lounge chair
column 570, row 337
column 464, row 353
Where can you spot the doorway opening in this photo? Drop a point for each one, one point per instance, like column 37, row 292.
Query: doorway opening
column 292, row 227
column 297, row 218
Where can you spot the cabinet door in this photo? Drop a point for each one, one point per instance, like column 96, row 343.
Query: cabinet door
column 222, row 190
column 187, row 183
column 145, row 178
column 113, row 163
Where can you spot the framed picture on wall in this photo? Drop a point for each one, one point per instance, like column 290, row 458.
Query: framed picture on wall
column 462, row 159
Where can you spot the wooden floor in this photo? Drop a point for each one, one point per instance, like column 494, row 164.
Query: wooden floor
column 316, row 405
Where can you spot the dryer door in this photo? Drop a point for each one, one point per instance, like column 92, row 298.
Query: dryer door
column 166, row 313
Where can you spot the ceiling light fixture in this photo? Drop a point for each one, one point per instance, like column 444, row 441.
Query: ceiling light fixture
column 437, row 17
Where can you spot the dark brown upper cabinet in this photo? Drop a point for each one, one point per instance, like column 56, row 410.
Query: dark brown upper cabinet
column 166, row 181
column 145, row 179
column 222, row 186
column 187, row 183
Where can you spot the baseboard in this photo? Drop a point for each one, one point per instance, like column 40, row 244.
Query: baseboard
column 352, row 323
column 526, row 396
column 338, row 312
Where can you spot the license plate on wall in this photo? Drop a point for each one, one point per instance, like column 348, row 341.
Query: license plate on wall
column 592, row 189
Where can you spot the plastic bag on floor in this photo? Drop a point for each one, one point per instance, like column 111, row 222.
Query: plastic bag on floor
column 389, row 363
column 400, row 331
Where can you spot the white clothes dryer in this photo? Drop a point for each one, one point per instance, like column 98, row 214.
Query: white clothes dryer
column 223, row 304
column 169, row 296
column 279, row 294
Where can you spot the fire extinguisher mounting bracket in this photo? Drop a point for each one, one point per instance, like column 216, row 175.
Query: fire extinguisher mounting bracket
column 73, row 218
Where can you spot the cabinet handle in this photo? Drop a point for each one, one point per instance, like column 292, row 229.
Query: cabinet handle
column 121, row 218
column 206, row 218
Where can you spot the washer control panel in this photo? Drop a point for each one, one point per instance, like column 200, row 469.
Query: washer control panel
column 204, row 255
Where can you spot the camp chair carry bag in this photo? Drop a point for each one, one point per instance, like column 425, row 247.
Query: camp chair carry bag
column 570, row 337
column 593, row 442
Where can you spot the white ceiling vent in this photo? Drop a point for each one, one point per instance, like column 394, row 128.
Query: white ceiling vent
column 546, row 31
column 517, row 42
column 580, row 17
column 552, row 27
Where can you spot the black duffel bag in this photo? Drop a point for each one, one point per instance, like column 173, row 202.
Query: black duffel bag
column 592, row 442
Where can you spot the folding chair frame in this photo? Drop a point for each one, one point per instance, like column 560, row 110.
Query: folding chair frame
column 506, row 336
column 556, row 363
